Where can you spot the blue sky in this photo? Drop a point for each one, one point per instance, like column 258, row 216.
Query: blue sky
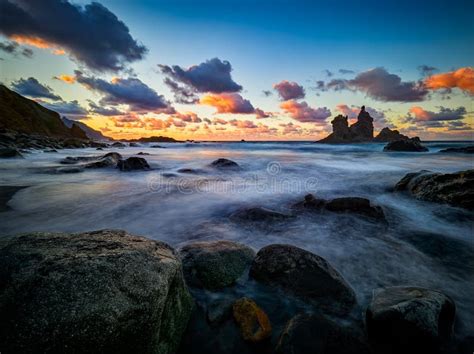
column 266, row 42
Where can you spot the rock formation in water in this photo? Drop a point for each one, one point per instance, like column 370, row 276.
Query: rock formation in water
column 361, row 131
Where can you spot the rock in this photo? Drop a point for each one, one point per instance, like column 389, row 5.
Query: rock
column 215, row 264
column 108, row 160
column 133, row 164
column 456, row 189
column 305, row 334
column 9, row 153
column 118, row 144
column 6, row 194
column 258, row 214
column 253, row 322
column 387, row 135
column 303, row 274
column 310, row 203
column 360, row 131
column 158, row 147
column 356, row 205
column 99, row 148
column 462, row 150
column 408, row 145
column 134, row 145
column 188, row 171
column 104, row 291
column 73, row 169
column 50, row 150
column 143, row 153
column 225, row 164
column 409, row 319
column 219, row 310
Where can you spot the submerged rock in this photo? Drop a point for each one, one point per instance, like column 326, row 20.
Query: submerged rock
column 305, row 334
column 225, row 164
column 310, row 202
column 134, row 145
column 456, row 189
column 252, row 320
column 143, row 153
column 215, row 264
column 303, row 274
column 356, row 205
column 108, row 160
column 407, row 145
column 133, row 164
column 409, row 319
column 258, row 214
column 9, row 153
column 462, row 150
column 105, row 291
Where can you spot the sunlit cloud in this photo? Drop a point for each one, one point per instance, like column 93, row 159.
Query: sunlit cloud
column 68, row 79
column 462, row 78
column 228, row 103
column 303, row 113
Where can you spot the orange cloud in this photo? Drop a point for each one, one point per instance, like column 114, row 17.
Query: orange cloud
column 419, row 113
column 462, row 78
column 38, row 43
column 69, row 79
column 227, row 103
column 303, row 113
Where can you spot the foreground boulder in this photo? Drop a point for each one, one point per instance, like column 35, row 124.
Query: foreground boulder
column 456, row 189
column 133, row 164
column 461, row 150
column 252, row 320
column 407, row 145
column 303, row 274
column 258, row 214
column 215, row 264
column 409, row 319
column 105, row 291
column 225, row 164
column 306, row 334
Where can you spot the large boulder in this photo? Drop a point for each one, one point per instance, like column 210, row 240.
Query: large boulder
column 215, row 264
column 406, row 145
column 133, row 164
column 108, row 160
column 363, row 129
column 97, row 292
column 118, row 144
column 456, row 189
column 409, row 319
column 315, row 333
column 303, row 274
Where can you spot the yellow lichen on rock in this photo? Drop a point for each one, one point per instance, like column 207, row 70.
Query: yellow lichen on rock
column 252, row 320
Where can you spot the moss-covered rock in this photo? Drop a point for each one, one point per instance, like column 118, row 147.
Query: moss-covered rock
column 252, row 320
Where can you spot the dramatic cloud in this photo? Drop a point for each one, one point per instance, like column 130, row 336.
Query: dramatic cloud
column 426, row 70
column 32, row 88
column 418, row 114
column 212, row 76
column 104, row 111
column 91, row 34
column 379, row 84
column 71, row 109
column 289, row 90
column 462, row 78
column 228, row 103
column 132, row 92
column 303, row 113
column 261, row 114
column 15, row 49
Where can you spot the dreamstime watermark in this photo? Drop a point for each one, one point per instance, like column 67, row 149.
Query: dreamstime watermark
column 272, row 180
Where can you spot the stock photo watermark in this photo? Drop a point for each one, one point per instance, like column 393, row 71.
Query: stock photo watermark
column 272, row 179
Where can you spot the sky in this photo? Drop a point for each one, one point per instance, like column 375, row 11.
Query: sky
column 253, row 70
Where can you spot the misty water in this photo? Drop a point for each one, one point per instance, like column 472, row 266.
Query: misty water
column 425, row 244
